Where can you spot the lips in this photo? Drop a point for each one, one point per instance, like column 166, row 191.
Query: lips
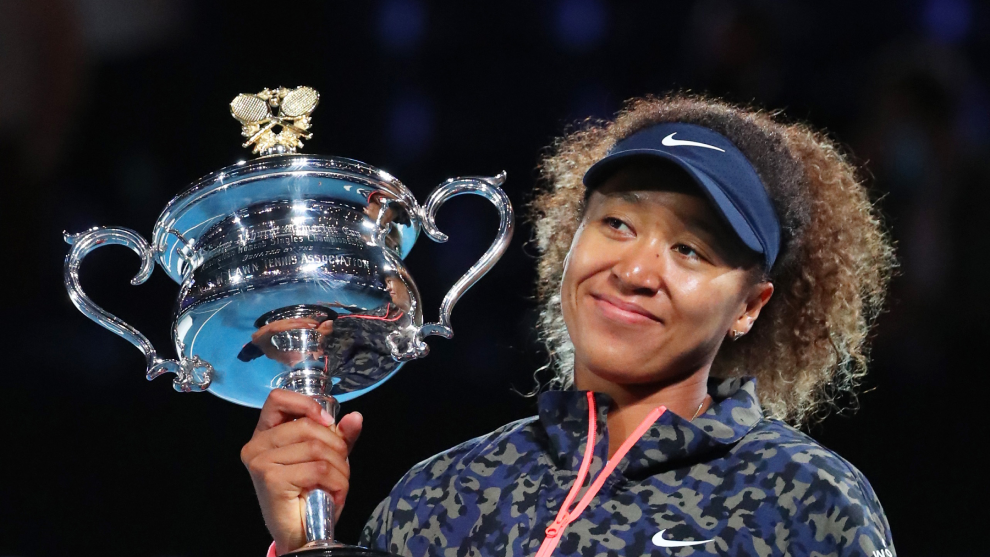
column 616, row 308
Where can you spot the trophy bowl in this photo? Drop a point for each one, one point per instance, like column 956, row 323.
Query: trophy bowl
column 291, row 272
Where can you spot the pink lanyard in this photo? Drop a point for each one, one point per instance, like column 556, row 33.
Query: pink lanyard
column 565, row 517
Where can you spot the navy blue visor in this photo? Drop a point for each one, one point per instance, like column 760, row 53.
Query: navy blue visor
column 720, row 169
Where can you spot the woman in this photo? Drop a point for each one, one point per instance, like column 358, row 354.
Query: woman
column 707, row 273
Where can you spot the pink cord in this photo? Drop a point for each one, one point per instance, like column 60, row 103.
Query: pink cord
column 565, row 517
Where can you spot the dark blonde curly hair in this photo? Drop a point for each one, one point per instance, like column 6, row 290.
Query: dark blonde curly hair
column 830, row 279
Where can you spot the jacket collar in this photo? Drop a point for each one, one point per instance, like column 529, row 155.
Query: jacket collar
column 734, row 413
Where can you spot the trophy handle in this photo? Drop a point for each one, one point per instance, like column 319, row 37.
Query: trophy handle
column 490, row 190
column 192, row 374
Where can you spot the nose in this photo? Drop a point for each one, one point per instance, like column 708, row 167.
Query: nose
column 640, row 269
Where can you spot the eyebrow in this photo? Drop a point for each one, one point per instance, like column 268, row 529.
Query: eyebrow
column 715, row 229
column 627, row 196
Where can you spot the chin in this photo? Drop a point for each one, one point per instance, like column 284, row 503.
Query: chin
column 624, row 361
column 622, row 365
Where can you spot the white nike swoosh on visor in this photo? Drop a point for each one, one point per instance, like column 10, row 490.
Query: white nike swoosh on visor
column 659, row 541
column 669, row 141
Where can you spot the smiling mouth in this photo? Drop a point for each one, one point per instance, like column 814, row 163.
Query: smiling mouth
column 619, row 310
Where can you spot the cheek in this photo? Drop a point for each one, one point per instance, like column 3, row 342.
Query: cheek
column 581, row 253
column 567, row 290
column 580, row 264
column 706, row 304
column 704, row 299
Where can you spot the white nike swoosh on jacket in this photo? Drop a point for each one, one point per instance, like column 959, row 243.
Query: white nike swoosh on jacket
column 659, row 541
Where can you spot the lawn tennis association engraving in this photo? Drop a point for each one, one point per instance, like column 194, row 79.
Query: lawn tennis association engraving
column 337, row 263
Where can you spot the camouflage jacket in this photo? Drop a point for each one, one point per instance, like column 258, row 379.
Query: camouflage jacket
column 731, row 481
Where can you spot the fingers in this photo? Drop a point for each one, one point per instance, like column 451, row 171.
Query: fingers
column 308, row 452
column 349, row 428
column 294, row 480
column 300, row 431
column 282, row 406
column 340, row 439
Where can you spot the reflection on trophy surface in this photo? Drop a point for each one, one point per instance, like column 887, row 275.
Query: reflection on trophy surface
column 291, row 274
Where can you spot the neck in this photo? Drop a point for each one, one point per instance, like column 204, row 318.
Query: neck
column 682, row 396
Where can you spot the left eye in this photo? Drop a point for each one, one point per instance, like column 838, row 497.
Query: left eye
column 685, row 250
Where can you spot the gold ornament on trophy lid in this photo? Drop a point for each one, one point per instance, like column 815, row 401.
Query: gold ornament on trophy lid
column 258, row 123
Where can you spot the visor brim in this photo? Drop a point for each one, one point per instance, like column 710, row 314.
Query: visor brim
column 601, row 170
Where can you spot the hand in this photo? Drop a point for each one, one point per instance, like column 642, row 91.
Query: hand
column 296, row 448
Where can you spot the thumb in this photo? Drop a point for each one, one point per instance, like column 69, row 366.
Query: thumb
column 349, row 427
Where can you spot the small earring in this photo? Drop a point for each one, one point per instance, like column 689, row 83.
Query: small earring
column 736, row 335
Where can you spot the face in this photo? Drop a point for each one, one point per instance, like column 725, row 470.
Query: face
column 654, row 281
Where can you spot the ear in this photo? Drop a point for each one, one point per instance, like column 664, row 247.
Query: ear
column 758, row 297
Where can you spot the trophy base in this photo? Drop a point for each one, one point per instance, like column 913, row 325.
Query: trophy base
column 339, row 551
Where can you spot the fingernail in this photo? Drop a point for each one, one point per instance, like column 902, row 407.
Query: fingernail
column 326, row 418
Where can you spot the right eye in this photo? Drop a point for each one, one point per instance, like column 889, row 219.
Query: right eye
column 615, row 223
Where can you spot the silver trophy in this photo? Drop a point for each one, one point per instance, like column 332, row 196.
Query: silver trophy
column 292, row 275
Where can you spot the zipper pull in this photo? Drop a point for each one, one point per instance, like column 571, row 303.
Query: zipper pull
column 556, row 528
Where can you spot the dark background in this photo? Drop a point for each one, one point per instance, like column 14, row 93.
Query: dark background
column 108, row 108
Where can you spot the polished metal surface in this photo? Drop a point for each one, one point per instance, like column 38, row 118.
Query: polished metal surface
column 318, row 505
column 275, row 256
column 192, row 373
column 490, row 189
column 286, row 231
column 318, row 519
column 292, row 178
column 291, row 274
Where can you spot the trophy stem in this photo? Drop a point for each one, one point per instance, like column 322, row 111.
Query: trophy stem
column 318, row 507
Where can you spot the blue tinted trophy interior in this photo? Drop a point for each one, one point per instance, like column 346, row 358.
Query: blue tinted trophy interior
column 327, row 292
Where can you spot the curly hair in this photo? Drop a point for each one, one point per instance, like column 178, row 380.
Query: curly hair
column 810, row 343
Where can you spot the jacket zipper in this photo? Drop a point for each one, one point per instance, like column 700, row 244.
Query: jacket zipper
column 565, row 516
